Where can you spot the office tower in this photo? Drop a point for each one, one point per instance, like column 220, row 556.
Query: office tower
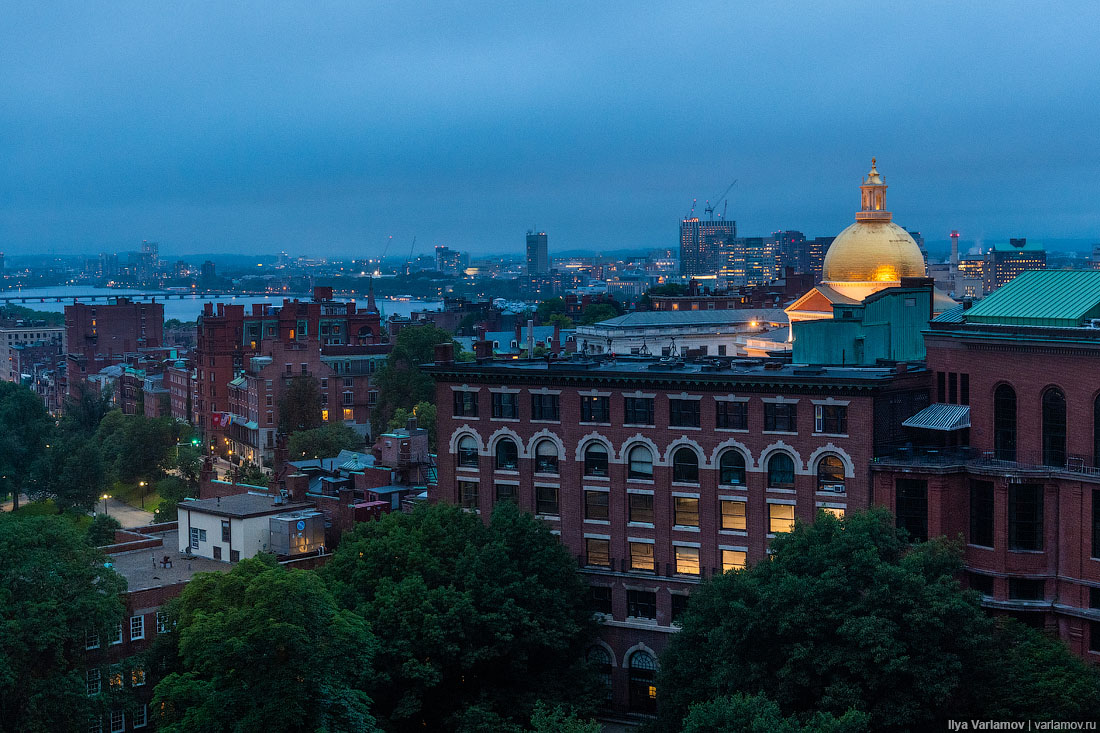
column 791, row 251
column 701, row 243
column 449, row 261
column 538, row 258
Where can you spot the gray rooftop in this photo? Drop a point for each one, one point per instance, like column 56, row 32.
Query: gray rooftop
column 142, row 569
column 242, row 505
column 672, row 319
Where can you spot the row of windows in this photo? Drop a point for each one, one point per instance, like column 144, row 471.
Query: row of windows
column 139, row 718
column 778, row 417
column 642, row 665
column 685, row 464
column 1053, row 425
column 1025, row 514
column 93, row 678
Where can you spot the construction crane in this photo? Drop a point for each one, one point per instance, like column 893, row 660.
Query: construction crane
column 692, row 212
column 408, row 262
column 709, row 210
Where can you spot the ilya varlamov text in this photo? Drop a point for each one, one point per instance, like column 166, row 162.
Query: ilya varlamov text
column 1020, row 725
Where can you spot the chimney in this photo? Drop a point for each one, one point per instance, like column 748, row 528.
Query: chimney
column 954, row 249
column 296, row 485
column 483, row 350
column 322, row 293
column 481, row 330
column 556, row 344
column 519, row 333
column 445, row 353
column 410, row 424
column 530, row 338
column 967, row 302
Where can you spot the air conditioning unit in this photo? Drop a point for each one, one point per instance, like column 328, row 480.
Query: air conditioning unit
column 1092, row 323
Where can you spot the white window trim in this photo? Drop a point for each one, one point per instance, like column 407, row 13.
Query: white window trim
column 641, row 395
column 788, row 502
column 141, row 619
column 779, row 400
column 504, row 390
column 734, row 548
column 731, row 398
column 593, row 393
column 465, row 388
column 832, row 401
column 544, row 390
column 686, row 494
column 591, row 536
column 677, row 543
column 642, row 540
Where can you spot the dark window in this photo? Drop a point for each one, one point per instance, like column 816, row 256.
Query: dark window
column 505, row 405
column 964, row 389
column 685, row 466
column 595, row 409
column 1096, row 523
column 467, row 451
column 1026, row 589
column 596, row 505
column 643, row 679
column 1025, row 517
column 546, row 457
column 980, row 583
column 981, row 513
column 599, row 599
column 544, row 407
column 225, row 531
column 912, row 508
column 953, row 388
column 941, row 387
column 638, row 410
column 597, row 552
column 546, row 499
column 465, row 404
column 830, row 474
column 507, row 455
column 467, row 494
column 1096, row 431
column 1094, row 597
column 781, row 471
column 831, row 419
column 234, row 556
column 640, row 508
column 600, row 661
column 1004, row 423
column 595, row 460
column 640, row 463
column 683, row 413
column 679, row 605
column 641, row 604
column 731, row 468
column 1054, row 427
column 733, row 415
column 506, row 492
column 217, row 552
column 1094, row 636
column 780, row 416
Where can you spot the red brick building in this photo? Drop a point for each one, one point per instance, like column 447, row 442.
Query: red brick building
column 99, row 335
column 1015, row 385
column 657, row 474
column 331, row 341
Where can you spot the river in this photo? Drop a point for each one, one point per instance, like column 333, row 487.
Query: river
column 189, row 307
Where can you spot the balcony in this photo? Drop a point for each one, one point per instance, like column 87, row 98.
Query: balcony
column 964, row 456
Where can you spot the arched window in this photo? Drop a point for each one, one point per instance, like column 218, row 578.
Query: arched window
column 1004, row 423
column 507, row 455
column 781, row 471
column 830, row 474
column 467, row 451
column 731, row 468
column 685, row 466
column 643, row 682
column 1054, row 427
column 595, row 460
column 546, row 457
column 600, row 661
column 640, row 462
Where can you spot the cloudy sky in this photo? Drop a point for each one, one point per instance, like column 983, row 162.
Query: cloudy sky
column 327, row 128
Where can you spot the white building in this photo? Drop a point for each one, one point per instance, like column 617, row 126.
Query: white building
column 238, row 527
column 668, row 333
column 15, row 335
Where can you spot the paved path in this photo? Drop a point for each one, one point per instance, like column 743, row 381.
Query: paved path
column 127, row 515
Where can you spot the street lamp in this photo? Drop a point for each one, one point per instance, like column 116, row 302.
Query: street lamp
column 142, row 485
column 105, row 497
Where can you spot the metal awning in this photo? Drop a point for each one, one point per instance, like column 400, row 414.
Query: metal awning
column 939, row 416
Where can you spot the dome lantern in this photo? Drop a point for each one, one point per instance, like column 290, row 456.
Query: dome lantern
column 873, row 198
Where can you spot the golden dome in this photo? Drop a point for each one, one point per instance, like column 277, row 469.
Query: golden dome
column 872, row 251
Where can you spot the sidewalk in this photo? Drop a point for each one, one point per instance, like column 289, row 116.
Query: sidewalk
column 127, row 515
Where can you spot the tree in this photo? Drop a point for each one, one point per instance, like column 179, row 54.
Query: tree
column 136, row 447
column 425, row 414
column 400, row 381
column 172, row 490
column 598, row 312
column 263, row 648
column 56, row 592
column 251, row 474
column 25, row 429
column 848, row 616
column 561, row 320
column 473, row 619
column 323, row 442
column 85, row 408
column 102, row 530
column 300, row 405
column 758, row 714
column 71, row 472
column 550, row 307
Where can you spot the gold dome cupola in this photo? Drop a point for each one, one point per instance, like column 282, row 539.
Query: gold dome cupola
column 873, row 198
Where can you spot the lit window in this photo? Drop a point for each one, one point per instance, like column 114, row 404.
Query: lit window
column 734, row 560
column 598, row 552
column 137, row 628
column 830, row 475
column 835, row 511
column 685, row 511
column 687, row 560
column 733, row 515
column 640, row 508
column 780, row 518
column 137, row 677
column 349, row 414
column 641, row 556
column 114, row 679
column 324, row 415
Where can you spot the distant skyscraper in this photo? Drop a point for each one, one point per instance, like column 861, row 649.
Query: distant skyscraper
column 701, row 243
column 538, row 257
column 748, row 261
column 449, row 261
column 817, row 247
column 791, row 251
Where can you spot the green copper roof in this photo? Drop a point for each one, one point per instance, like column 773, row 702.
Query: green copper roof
column 1059, row 298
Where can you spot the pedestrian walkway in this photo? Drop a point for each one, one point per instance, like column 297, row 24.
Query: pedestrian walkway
column 127, row 515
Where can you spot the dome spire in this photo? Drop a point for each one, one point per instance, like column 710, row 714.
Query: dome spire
column 873, row 198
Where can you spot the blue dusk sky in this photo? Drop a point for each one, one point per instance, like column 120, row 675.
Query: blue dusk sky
column 325, row 128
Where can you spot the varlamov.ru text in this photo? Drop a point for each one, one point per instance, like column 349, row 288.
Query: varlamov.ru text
column 954, row 725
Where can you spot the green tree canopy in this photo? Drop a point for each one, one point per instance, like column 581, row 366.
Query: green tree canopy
column 848, row 616
column 102, row 530
column 550, row 307
column 172, row 490
column 472, row 619
column 400, row 382
column 263, row 648
column 25, row 429
column 136, row 447
column 599, row 312
column 323, row 442
column 54, row 590
column 300, row 405
column 425, row 414
column 562, row 320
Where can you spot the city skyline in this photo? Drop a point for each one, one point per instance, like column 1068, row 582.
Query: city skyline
column 330, row 130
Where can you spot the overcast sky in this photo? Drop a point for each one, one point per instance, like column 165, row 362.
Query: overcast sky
column 326, row 128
